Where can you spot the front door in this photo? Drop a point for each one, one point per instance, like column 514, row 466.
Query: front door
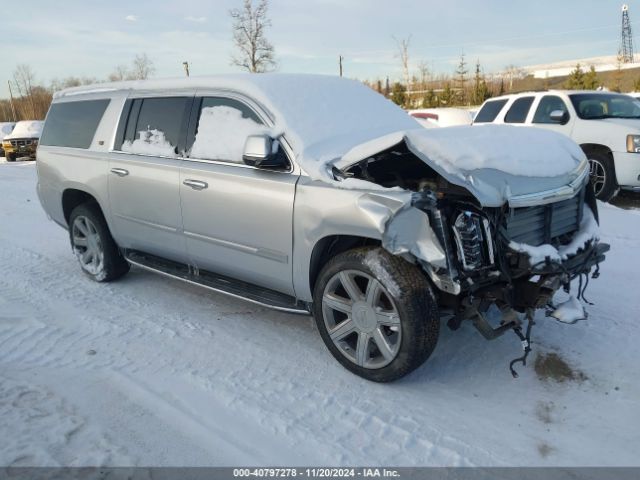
column 237, row 219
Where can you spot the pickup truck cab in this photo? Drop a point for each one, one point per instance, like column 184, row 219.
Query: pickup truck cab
column 316, row 195
column 606, row 125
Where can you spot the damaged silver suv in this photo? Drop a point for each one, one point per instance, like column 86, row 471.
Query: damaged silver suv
column 316, row 195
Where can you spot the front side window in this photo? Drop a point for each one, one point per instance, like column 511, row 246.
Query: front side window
column 156, row 126
column 519, row 110
column 73, row 124
column 222, row 128
column 547, row 105
column 490, row 111
column 596, row 106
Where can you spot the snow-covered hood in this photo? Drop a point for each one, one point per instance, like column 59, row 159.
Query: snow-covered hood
column 496, row 163
column 26, row 129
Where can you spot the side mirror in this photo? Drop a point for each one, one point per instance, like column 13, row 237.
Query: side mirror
column 261, row 151
column 559, row 116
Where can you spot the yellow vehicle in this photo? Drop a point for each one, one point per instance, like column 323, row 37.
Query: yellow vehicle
column 22, row 141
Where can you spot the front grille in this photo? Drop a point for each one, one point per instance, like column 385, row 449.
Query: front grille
column 20, row 143
column 545, row 223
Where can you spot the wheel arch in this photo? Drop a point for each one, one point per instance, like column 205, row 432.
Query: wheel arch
column 588, row 148
column 72, row 197
column 328, row 247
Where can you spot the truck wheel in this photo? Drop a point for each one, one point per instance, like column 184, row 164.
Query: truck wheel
column 376, row 313
column 10, row 158
column 94, row 246
column 603, row 176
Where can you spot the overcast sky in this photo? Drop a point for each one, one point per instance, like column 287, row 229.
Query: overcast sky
column 88, row 38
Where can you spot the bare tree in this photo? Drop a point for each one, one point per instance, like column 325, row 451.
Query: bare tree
column 142, row 68
column 513, row 72
column 423, row 72
column 119, row 73
column 255, row 53
column 403, row 50
column 23, row 79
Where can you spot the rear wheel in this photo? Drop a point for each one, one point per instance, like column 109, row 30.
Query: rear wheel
column 376, row 313
column 603, row 176
column 94, row 246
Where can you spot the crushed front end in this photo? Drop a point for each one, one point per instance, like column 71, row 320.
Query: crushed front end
column 510, row 259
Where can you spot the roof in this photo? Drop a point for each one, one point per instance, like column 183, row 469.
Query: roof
column 556, row 91
column 320, row 115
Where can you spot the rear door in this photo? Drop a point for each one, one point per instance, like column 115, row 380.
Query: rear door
column 144, row 175
column 237, row 219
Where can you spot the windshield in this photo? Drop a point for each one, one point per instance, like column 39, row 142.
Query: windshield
column 595, row 106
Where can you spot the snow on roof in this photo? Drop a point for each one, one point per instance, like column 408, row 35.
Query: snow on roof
column 26, row 129
column 309, row 109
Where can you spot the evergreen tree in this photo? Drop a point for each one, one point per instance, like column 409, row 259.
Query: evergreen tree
column 576, row 79
column 480, row 88
column 591, row 79
column 617, row 76
column 398, row 94
column 461, row 80
column 447, row 96
column 430, row 100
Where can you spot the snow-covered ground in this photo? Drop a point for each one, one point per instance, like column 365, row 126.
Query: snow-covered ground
column 149, row 371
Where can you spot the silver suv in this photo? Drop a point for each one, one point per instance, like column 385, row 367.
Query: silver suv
column 316, row 195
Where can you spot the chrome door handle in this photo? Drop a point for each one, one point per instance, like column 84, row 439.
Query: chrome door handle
column 121, row 172
column 196, row 184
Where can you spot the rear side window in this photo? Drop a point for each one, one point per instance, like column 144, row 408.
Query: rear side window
column 73, row 124
column 156, row 126
column 519, row 110
column 489, row 111
column 548, row 104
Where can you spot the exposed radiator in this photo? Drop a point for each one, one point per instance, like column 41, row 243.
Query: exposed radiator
column 545, row 223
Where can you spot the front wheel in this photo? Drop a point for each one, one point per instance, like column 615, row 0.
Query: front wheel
column 376, row 313
column 94, row 246
column 10, row 158
column 603, row 176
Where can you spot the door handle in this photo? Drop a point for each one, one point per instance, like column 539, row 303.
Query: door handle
column 196, row 184
column 121, row 172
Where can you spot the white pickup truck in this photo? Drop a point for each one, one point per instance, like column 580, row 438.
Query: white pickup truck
column 606, row 125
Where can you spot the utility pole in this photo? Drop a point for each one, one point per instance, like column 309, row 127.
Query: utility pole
column 186, row 67
column 13, row 107
column 340, row 59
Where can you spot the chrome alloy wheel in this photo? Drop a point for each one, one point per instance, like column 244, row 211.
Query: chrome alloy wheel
column 598, row 175
column 87, row 245
column 361, row 319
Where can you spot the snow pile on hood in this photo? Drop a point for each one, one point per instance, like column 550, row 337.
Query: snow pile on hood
column 527, row 152
column 151, row 142
column 26, row 129
column 222, row 132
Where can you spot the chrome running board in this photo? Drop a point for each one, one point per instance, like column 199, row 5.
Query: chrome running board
column 218, row 283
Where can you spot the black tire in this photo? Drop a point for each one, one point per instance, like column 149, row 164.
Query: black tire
column 10, row 158
column 112, row 264
column 601, row 164
column 412, row 298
